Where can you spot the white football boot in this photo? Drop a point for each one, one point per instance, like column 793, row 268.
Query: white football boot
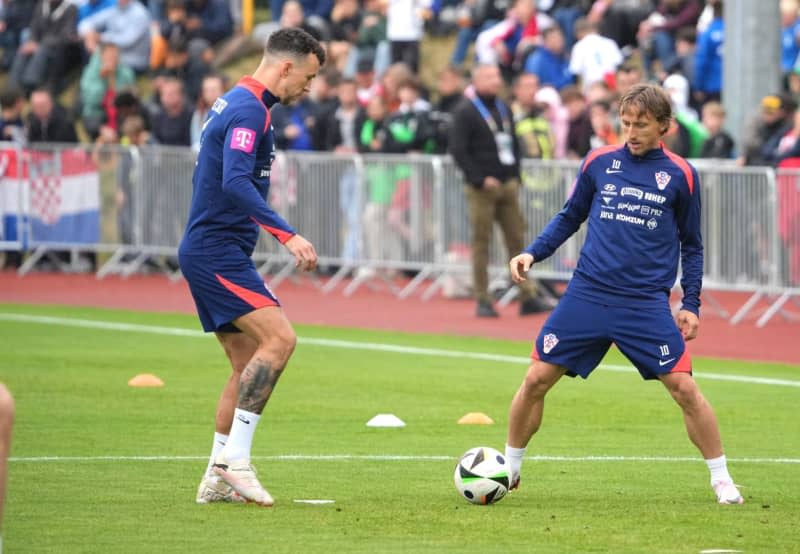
column 213, row 489
column 727, row 493
column 241, row 476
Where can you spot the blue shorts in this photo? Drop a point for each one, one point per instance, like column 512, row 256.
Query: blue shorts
column 225, row 285
column 579, row 332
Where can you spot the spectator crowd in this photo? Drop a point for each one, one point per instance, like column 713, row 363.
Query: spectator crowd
column 566, row 62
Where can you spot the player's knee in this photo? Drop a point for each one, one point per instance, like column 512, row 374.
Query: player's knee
column 284, row 341
column 536, row 382
column 685, row 392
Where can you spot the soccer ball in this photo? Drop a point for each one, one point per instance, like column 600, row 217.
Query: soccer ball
column 482, row 475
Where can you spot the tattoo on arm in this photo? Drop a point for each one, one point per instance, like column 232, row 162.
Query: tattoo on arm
column 256, row 385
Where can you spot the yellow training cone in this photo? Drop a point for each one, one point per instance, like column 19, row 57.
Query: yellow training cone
column 146, row 380
column 475, row 418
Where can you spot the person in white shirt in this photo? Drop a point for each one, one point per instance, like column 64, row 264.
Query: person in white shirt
column 594, row 57
column 405, row 21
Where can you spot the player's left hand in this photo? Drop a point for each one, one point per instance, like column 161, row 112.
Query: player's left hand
column 519, row 266
column 303, row 251
column 688, row 323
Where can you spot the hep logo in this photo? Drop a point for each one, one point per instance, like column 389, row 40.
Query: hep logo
column 243, row 139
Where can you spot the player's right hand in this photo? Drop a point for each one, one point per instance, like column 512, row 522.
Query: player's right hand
column 519, row 265
column 303, row 252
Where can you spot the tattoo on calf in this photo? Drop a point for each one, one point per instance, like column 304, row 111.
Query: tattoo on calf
column 256, row 385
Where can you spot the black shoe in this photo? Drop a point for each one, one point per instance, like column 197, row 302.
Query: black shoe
column 534, row 306
column 485, row 309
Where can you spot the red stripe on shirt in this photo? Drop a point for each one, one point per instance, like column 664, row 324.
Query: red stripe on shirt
column 599, row 152
column 684, row 166
column 253, row 298
column 279, row 234
column 257, row 90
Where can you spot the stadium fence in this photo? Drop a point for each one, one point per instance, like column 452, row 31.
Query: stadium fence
column 371, row 218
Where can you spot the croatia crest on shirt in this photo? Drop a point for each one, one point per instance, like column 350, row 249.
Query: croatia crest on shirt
column 662, row 179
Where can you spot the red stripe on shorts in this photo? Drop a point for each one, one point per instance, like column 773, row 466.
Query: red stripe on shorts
column 684, row 365
column 253, row 298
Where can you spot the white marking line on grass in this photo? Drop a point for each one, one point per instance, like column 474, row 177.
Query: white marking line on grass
column 352, row 345
column 314, row 501
column 393, row 458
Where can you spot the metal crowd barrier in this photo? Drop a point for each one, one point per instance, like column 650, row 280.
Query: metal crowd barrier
column 370, row 219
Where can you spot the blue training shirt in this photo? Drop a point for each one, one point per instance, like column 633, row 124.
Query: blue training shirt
column 644, row 213
column 232, row 174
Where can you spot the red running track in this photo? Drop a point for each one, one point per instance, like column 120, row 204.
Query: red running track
column 779, row 341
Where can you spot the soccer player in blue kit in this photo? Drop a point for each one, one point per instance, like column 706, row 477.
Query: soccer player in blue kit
column 230, row 188
column 643, row 206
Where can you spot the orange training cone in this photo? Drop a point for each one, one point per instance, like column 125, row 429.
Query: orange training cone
column 475, row 418
column 146, row 380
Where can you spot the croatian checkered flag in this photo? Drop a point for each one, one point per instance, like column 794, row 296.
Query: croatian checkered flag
column 55, row 195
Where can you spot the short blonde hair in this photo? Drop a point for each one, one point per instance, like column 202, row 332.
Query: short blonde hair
column 648, row 98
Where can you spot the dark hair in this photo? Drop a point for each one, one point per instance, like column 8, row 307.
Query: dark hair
column 10, row 96
column 552, row 29
column 126, row 99
column 603, row 104
column 331, row 76
column 523, row 75
column 788, row 104
column 570, row 93
column 178, row 44
column 648, row 98
column 365, row 64
column 410, row 82
column 296, row 42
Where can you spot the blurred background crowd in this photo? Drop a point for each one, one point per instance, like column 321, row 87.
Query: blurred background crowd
column 133, row 72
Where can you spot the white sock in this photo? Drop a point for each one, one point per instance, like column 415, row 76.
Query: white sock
column 216, row 448
column 514, row 457
column 241, row 436
column 719, row 469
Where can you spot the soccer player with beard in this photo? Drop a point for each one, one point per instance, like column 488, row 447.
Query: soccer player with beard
column 230, row 187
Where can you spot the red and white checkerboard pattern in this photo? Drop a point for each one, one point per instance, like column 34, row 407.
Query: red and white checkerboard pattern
column 46, row 198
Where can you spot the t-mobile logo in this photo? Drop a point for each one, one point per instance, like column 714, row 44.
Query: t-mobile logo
column 243, row 139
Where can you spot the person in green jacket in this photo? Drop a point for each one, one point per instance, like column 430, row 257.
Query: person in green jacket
column 101, row 80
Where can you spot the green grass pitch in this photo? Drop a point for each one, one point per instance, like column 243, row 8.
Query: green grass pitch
column 74, row 485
